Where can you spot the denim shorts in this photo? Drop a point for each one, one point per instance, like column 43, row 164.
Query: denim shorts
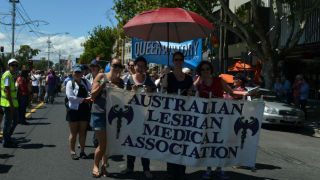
column 98, row 121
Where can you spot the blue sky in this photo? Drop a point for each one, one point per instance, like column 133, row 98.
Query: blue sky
column 77, row 17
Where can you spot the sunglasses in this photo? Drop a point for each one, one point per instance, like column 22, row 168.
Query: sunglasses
column 178, row 59
column 116, row 66
column 131, row 65
column 205, row 69
column 14, row 65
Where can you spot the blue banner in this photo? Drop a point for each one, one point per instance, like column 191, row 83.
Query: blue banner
column 156, row 51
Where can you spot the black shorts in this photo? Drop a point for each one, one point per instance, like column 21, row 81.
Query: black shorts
column 35, row 89
column 82, row 114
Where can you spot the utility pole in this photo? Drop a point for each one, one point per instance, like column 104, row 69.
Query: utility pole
column 49, row 42
column 59, row 62
column 13, row 24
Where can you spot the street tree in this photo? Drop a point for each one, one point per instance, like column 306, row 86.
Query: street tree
column 42, row 64
column 25, row 53
column 265, row 43
column 100, row 42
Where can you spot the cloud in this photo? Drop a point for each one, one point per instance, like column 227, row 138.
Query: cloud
column 2, row 36
column 66, row 45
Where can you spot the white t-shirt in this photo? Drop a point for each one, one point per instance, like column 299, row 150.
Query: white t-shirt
column 35, row 79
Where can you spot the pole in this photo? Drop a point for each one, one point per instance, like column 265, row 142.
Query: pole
column 13, row 24
column 59, row 61
column 48, row 51
column 221, row 41
column 123, row 50
column 168, row 49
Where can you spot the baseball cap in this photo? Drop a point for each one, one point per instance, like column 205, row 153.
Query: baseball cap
column 94, row 63
column 12, row 61
column 77, row 68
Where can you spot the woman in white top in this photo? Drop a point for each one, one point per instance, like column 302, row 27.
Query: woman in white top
column 78, row 114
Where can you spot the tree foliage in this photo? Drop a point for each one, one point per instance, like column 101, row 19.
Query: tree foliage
column 42, row 65
column 264, row 42
column 25, row 53
column 127, row 9
column 100, row 42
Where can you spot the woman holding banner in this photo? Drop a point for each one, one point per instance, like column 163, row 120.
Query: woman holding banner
column 139, row 82
column 98, row 113
column 210, row 87
column 177, row 82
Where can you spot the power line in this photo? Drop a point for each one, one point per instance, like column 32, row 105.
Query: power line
column 28, row 17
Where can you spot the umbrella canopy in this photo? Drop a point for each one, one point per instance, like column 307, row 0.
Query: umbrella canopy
column 168, row 24
column 228, row 78
column 240, row 66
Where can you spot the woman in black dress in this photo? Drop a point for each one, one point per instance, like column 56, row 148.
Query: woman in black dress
column 175, row 82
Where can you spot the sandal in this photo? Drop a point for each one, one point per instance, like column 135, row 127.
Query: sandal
column 74, row 156
column 96, row 174
column 104, row 172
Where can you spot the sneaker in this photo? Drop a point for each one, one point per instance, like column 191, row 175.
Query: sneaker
column 207, row 175
column 126, row 171
column 83, row 155
column 148, row 175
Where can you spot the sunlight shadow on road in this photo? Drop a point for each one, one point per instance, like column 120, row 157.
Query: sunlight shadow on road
column 116, row 158
column 6, row 156
column 305, row 130
column 5, row 168
column 32, row 119
column 232, row 175
column 260, row 166
column 40, row 123
column 35, row 146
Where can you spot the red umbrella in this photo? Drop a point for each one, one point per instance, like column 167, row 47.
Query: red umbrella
column 168, row 24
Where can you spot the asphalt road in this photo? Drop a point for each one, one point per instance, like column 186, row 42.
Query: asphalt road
column 284, row 153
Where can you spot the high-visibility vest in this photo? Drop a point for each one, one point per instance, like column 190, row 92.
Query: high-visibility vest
column 4, row 102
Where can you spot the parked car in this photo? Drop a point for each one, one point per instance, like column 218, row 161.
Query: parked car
column 278, row 112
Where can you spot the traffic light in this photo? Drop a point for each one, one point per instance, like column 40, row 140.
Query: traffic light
column 1, row 49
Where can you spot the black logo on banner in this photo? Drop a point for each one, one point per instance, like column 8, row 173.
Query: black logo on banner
column 119, row 114
column 253, row 125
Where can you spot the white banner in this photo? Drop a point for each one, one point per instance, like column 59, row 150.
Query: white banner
column 184, row 130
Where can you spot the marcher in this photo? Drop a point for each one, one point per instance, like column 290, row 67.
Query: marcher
column 94, row 70
column 296, row 87
column 98, row 113
column 286, row 88
column 23, row 96
column 175, row 82
column 35, row 78
column 139, row 82
column 9, row 102
column 130, row 71
column 304, row 95
column 42, row 86
column 78, row 115
column 208, row 86
column 51, row 86
column 278, row 89
column 238, row 88
column 1, row 110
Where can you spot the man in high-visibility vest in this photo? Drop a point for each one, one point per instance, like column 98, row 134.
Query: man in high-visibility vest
column 9, row 103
